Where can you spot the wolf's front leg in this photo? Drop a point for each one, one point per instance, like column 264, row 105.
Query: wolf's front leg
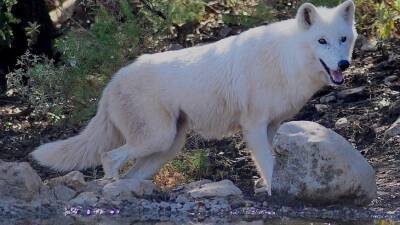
column 257, row 140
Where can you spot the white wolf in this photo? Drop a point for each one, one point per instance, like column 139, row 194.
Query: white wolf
column 251, row 81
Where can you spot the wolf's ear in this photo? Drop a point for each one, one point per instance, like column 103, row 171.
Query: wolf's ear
column 306, row 15
column 347, row 9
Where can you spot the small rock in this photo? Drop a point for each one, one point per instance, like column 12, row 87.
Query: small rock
column 127, row 187
column 46, row 196
column 165, row 205
column 366, row 44
column 390, row 79
column 173, row 47
column 96, row 185
column 63, row 12
column 188, row 206
column 85, row 198
column 222, row 188
column 265, row 204
column 64, row 193
column 225, row 31
column 316, row 164
column 394, row 108
column 321, row 107
column 18, row 180
column 341, row 123
column 352, row 94
column 181, row 199
column 74, row 180
column 328, row 98
column 394, row 129
column 219, row 205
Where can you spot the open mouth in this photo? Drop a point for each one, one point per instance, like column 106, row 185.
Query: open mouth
column 336, row 76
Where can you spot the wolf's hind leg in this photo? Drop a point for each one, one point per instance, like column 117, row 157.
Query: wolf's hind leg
column 114, row 159
column 146, row 167
column 157, row 142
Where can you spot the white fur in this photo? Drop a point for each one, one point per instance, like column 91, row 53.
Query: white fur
column 253, row 81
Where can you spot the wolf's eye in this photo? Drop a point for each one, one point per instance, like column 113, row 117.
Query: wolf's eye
column 343, row 39
column 322, row 41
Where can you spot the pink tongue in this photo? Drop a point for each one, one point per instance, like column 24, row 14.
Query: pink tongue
column 337, row 76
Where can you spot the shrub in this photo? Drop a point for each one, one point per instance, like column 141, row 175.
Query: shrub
column 6, row 20
column 247, row 15
column 388, row 15
column 165, row 15
column 89, row 59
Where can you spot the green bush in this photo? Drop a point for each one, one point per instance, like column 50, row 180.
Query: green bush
column 193, row 165
column 6, row 20
column 89, row 59
column 175, row 13
column 248, row 15
column 386, row 18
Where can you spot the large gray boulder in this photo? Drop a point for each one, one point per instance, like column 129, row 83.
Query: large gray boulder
column 19, row 181
column 316, row 164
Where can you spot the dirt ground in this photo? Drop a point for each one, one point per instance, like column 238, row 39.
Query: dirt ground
column 369, row 113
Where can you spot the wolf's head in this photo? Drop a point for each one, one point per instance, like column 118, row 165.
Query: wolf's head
column 330, row 35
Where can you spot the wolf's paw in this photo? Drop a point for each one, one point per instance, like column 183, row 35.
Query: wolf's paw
column 260, row 187
column 112, row 162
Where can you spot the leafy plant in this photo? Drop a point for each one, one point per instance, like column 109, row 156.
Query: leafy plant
column 32, row 32
column 6, row 20
column 192, row 165
column 327, row 3
column 173, row 13
column 387, row 16
column 248, row 15
column 89, row 59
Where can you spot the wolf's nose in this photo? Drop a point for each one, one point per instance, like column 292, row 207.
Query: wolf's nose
column 343, row 65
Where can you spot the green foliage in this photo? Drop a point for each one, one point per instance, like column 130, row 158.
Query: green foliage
column 93, row 57
column 176, row 13
column 193, row 164
column 248, row 16
column 43, row 87
column 326, row 3
column 90, row 58
column 32, row 32
column 6, row 20
column 387, row 15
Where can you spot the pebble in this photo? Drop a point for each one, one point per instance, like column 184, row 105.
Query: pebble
column 351, row 94
column 390, row 79
column 341, row 123
column 321, row 107
column 328, row 98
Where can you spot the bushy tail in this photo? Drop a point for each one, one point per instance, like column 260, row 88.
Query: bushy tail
column 84, row 150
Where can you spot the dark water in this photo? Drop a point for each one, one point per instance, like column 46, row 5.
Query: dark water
column 67, row 220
